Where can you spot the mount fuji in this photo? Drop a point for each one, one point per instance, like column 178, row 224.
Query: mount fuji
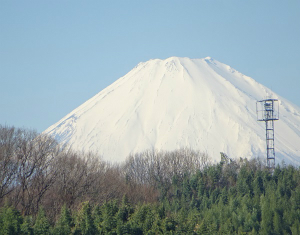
column 200, row 104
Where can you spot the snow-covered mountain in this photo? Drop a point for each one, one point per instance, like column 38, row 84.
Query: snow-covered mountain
column 180, row 102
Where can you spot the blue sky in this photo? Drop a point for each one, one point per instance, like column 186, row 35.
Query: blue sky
column 54, row 55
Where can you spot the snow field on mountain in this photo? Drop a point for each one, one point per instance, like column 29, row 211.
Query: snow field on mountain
column 180, row 102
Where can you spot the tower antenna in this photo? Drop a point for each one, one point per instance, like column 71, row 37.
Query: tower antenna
column 268, row 111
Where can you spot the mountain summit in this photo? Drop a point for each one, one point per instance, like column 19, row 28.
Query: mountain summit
column 180, row 102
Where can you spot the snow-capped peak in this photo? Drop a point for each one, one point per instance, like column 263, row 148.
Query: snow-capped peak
column 179, row 102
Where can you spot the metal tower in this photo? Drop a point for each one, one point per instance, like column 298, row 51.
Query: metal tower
column 268, row 111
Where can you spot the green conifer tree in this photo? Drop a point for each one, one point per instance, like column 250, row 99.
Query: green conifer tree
column 42, row 225
column 277, row 223
column 266, row 217
column 84, row 222
column 125, row 210
column 65, row 222
column 109, row 220
column 295, row 227
column 26, row 226
column 10, row 221
column 97, row 216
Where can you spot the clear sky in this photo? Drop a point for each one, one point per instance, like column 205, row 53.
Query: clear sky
column 56, row 54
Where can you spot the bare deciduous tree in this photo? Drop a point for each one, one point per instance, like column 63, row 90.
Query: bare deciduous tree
column 8, row 161
column 36, row 172
column 153, row 167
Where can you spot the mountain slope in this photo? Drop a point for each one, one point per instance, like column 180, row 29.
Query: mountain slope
column 180, row 102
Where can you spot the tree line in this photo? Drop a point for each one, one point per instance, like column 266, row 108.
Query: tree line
column 48, row 189
column 36, row 171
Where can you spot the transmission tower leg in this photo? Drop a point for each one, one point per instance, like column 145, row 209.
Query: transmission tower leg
column 270, row 143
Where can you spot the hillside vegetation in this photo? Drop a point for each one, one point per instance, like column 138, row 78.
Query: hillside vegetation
column 47, row 189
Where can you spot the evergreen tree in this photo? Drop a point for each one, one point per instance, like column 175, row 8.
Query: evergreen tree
column 125, row 210
column 169, row 225
column 84, row 221
column 296, row 227
column 64, row 224
column 42, row 225
column 277, row 222
column 10, row 221
column 266, row 217
column 97, row 216
column 26, row 226
column 109, row 220
column 258, row 186
column 224, row 195
column 200, row 187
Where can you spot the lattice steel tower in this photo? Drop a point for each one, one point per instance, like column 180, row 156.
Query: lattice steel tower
column 268, row 111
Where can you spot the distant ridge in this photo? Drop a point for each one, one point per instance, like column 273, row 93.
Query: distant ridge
column 167, row 104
